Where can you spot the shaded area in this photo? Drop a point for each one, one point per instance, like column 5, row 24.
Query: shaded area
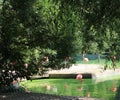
column 85, row 75
column 117, row 97
column 40, row 96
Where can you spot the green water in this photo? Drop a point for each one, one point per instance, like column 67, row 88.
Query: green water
column 73, row 87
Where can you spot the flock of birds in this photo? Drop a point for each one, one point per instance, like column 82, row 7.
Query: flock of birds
column 80, row 89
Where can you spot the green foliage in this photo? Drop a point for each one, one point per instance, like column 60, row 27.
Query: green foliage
column 61, row 24
column 33, row 29
column 16, row 40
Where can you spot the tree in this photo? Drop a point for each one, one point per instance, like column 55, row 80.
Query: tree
column 24, row 41
column 62, row 21
column 33, row 29
column 20, row 32
column 98, row 16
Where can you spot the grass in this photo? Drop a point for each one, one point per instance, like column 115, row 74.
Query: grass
column 102, row 61
column 73, row 87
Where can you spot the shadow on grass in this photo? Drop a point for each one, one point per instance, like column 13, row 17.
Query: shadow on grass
column 11, row 89
column 117, row 97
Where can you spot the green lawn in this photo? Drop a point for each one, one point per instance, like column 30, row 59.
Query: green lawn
column 102, row 62
column 73, row 87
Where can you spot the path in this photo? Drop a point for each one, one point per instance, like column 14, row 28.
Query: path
column 79, row 68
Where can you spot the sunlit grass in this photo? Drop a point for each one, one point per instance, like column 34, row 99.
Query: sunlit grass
column 101, row 62
column 73, row 87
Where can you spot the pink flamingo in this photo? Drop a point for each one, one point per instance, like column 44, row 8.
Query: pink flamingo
column 88, row 94
column 114, row 87
column 79, row 77
column 48, row 87
column 85, row 59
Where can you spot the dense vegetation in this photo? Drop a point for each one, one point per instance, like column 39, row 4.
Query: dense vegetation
column 31, row 31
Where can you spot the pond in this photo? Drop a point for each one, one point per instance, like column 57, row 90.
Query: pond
column 72, row 87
